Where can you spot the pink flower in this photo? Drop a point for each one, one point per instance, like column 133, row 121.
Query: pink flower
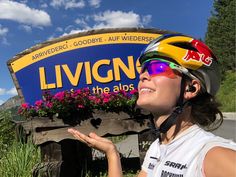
column 132, row 92
column 38, row 103
column 105, row 95
column 59, row 96
column 79, row 99
column 49, row 104
column 76, row 93
column 106, row 100
column 25, row 105
column 80, row 106
column 97, row 100
column 92, row 98
column 123, row 92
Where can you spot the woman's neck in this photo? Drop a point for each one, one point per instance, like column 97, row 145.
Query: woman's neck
column 174, row 131
column 183, row 122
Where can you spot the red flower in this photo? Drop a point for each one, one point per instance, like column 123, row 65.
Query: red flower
column 132, row 92
column 49, row 104
column 106, row 100
column 66, row 101
column 25, row 105
column 76, row 93
column 38, row 103
column 59, row 96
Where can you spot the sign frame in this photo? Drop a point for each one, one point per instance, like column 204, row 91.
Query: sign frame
column 14, row 67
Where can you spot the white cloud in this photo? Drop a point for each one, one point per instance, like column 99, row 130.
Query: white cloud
column 109, row 19
column 3, row 34
column 67, row 4
column 146, row 19
column 74, row 31
column 24, row 1
column 3, row 31
column 12, row 91
column 116, row 19
column 51, row 37
column 1, row 102
column 26, row 28
column 59, row 29
column 95, row 3
column 68, row 28
column 44, row 5
column 5, row 41
column 11, row 10
column 82, row 22
column 4, row 91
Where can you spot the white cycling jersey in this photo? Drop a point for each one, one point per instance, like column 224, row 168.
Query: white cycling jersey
column 184, row 155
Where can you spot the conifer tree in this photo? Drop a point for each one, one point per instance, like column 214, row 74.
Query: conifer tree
column 220, row 35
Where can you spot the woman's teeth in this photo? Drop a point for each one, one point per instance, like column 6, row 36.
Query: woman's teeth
column 145, row 90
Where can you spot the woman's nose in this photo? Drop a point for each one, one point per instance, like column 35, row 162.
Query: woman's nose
column 144, row 76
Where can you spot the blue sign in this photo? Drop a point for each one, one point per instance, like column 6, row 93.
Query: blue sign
column 104, row 62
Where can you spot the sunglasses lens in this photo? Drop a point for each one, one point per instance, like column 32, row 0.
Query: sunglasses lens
column 158, row 68
column 155, row 67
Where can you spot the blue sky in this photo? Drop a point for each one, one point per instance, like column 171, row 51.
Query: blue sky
column 25, row 23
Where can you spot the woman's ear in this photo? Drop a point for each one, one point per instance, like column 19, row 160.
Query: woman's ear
column 192, row 89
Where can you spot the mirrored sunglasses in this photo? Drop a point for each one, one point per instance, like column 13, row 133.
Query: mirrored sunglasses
column 157, row 66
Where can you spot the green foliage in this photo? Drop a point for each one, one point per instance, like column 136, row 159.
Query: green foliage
column 16, row 159
column 131, row 174
column 227, row 92
column 117, row 139
column 19, row 160
column 6, row 131
column 125, row 174
column 220, row 36
column 68, row 104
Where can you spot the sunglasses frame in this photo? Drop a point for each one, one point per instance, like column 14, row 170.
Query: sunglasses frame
column 172, row 65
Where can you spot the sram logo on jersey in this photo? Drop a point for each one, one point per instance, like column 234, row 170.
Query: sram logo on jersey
column 202, row 55
column 175, row 165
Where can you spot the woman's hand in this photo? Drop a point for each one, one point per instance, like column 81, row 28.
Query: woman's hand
column 104, row 145
column 95, row 141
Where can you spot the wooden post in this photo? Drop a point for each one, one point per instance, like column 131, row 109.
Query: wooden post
column 76, row 158
column 69, row 158
column 62, row 155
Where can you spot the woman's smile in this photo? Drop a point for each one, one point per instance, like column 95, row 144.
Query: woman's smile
column 145, row 90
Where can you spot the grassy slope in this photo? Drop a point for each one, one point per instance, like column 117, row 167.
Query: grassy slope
column 227, row 93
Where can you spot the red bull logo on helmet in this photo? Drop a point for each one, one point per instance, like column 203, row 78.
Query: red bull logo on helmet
column 203, row 54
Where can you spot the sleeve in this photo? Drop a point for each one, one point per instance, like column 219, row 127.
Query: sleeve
column 149, row 162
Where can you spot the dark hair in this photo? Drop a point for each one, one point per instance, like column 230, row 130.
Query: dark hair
column 204, row 111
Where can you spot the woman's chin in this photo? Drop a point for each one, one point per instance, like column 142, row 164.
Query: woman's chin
column 144, row 105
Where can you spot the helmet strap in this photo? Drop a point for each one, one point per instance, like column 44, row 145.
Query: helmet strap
column 154, row 130
column 172, row 118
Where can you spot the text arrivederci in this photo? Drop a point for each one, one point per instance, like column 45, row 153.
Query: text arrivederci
column 50, row 51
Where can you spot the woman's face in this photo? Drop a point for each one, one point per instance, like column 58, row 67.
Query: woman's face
column 158, row 94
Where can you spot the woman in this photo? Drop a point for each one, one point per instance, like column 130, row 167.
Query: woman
column 178, row 81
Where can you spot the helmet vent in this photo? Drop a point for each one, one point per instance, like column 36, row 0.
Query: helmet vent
column 184, row 45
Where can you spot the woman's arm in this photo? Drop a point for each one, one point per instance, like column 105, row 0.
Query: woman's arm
column 220, row 162
column 142, row 174
column 104, row 145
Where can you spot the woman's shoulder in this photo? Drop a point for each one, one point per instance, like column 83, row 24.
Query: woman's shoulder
column 219, row 158
column 216, row 153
